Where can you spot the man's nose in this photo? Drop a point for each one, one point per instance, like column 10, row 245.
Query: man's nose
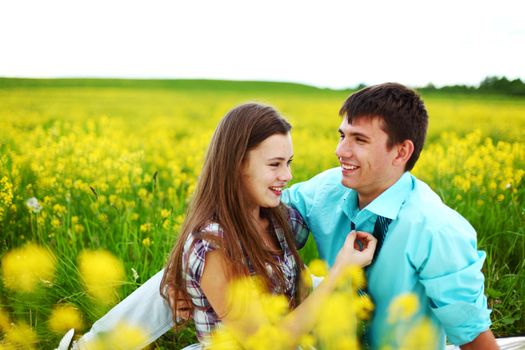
column 343, row 149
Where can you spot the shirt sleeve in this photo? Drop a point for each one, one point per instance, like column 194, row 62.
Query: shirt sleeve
column 302, row 196
column 453, row 280
column 299, row 228
column 195, row 252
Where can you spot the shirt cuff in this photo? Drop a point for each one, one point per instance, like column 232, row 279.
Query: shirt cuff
column 463, row 322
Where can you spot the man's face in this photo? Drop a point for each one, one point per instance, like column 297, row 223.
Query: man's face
column 366, row 163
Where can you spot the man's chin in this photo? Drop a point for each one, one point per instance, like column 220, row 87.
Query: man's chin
column 348, row 184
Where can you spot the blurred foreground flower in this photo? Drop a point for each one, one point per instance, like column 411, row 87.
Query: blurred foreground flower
column 20, row 336
column 122, row 337
column 102, row 274
column 408, row 330
column 403, row 307
column 422, row 335
column 318, row 267
column 255, row 312
column 63, row 318
column 33, row 205
column 24, row 267
column 4, row 321
column 258, row 317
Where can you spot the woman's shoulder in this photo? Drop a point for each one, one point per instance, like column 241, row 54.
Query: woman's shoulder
column 207, row 236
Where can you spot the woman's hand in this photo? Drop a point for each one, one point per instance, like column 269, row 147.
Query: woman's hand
column 358, row 249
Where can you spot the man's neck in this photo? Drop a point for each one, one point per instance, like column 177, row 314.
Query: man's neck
column 365, row 198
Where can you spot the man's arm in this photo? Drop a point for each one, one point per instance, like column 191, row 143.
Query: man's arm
column 451, row 272
column 484, row 341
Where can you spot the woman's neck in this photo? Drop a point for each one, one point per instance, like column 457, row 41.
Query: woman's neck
column 267, row 236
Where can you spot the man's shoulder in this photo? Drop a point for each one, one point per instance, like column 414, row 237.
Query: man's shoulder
column 333, row 174
column 331, row 177
column 428, row 207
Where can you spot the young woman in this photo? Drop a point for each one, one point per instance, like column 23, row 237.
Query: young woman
column 237, row 226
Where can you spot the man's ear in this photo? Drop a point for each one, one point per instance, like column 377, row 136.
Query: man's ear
column 404, row 152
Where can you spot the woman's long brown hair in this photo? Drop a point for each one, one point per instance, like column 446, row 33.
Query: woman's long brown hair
column 219, row 198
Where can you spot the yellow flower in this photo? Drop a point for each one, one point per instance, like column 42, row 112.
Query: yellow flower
column 6, row 195
column 94, row 344
column 241, row 294
column 125, row 336
column 77, row 228
column 420, row 336
column 318, row 267
column 307, row 278
column 403, row 307
column 21, row 336
column 348, row 342
column 275, row 306
column 145, row 227
column 63, row 318
column 59, row 209
column 164, row 213
column 223, row 339
column 352, row 275
column 23, row 268
column 4, row 321
column 146, row 242
column 364, row 307
column 122, row 337
column 269, row 337
column 307, row 341
column 55, row 222
column 102, row 274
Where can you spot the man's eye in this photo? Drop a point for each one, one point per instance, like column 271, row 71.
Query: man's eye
column 274, row 164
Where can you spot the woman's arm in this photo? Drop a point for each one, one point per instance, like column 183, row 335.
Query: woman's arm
column 215, row 281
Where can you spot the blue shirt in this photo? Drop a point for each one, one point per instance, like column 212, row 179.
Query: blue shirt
column 429, row 249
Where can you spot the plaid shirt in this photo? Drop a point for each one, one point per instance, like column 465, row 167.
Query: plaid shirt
column 194, row 255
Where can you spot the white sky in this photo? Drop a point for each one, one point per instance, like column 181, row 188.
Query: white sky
column 324, row 43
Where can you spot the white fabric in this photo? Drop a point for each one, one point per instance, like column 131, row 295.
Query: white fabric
column 511, row 343
column 143, row 308
column 65, row 342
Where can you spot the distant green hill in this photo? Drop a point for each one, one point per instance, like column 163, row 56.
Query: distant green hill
column 494, row 86
column 165, row 84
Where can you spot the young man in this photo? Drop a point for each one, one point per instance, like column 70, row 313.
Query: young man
column 425, row 247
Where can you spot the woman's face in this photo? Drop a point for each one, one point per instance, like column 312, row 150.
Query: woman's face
column 266, row 170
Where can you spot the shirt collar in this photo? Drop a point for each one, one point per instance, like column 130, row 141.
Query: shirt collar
column 389, row 202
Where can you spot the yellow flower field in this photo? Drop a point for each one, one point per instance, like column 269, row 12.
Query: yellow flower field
column 108, row 168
